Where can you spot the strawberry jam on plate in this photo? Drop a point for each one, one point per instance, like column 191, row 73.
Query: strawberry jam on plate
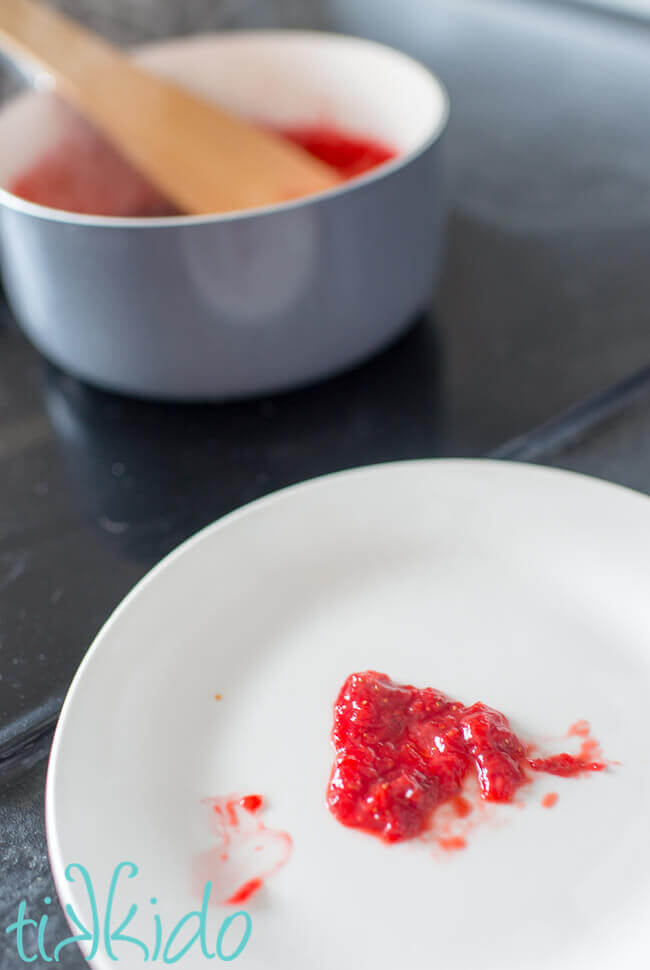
column 401, row 752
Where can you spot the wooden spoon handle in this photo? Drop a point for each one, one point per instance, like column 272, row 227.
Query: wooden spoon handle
column 198, row 155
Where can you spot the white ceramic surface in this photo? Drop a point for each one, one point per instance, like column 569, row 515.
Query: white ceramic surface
column 232, row 305
column 523, row 587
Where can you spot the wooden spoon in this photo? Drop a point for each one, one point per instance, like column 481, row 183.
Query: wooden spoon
column 199, row 156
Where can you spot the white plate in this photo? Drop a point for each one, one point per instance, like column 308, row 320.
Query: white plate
column 519, row 586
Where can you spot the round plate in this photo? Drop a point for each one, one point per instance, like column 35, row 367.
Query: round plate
column 523, row 587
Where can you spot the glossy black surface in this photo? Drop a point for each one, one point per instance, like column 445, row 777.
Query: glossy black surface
column 543, row 301
column 607, row 436
column 95, row 489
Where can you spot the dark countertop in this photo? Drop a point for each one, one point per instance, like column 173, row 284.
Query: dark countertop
column 543, row 302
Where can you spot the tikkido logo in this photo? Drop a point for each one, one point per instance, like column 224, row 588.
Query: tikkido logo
column 189, row 933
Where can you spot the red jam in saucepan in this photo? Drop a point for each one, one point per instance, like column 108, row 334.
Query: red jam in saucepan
column 350, row 155
column 85, row 174
column 401, row 752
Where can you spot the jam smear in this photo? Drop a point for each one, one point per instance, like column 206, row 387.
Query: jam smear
column 548, row 801
column 83, row 173
column 246, row 853
column 564, row 765
column 401, row 752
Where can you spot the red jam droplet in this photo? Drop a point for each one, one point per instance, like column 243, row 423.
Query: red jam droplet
column 452, row 844
column 548, row 801
column 252, row 803
column 401, row 752
column 245, row 892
